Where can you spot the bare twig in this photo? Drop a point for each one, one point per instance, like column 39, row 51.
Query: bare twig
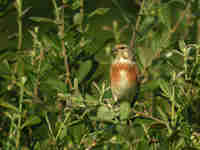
column 132, row 42
column 175, row 27
column 142, row 114
column 61, row 31
column 38, row 73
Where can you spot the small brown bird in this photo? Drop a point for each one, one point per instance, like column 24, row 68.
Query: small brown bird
column 123, row 74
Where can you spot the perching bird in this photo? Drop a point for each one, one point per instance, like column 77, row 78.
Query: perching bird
column 123, row 74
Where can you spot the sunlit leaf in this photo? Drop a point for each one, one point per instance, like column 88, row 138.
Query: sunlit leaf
column 146, row 56
column 104, row 113
column 182, row 46
column 76, row 4
column 165, row 87
column 8, row 106
column 180, row 143
column 26, row 11
column 163, row 114
column 63, row 132
column 78, row 18
column 32, row 120
column 99, row 11
column 5, row 67
column 42, row 19
column 91, row 100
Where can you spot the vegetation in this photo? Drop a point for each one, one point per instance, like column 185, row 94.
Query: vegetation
column 54, row 75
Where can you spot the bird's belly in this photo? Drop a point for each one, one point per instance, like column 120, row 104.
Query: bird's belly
column 123, row 88
column 123, row 82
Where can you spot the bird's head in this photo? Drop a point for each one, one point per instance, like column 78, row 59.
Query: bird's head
column 122, row 51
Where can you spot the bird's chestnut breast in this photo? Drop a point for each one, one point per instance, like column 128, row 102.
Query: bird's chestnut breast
column 129, row 70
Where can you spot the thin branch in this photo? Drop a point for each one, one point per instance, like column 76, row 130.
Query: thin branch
column 18, row 5
column 37, row 82
column 198, row 31
column 175, row 27
column 61, row 30
column 59, row 13
column 142, row 114
column 132, row 42
column 82, row 14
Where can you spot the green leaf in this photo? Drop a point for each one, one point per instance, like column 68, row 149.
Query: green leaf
column 56, row 84
column 63, row 132
column 104, row 113
column 163, row 114
column 77, row 132
column 180, row 143
column 182, row 45
column 42, row 19
column 103, row 58
column 146, row 56
column 90, row 100
column 180, row 1
column 165, row 88
column 84, row 69
column 78, row 18
column 26, row 11
column 76, row 4
column 178, row 4
column 51, row 42
column 99, row 11
column 124, row 110
column 32, row 120
column 147, row 25
column 8, row 106
column 5, row 67
column 150, row 86
column 164, row 16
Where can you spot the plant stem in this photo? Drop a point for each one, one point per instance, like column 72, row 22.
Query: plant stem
column 19, row 33
column 185, row 63
column 19, row 22
column 81, row 14
column 59, row 13
column 132, row 42
column 142, row 114
column 62, row 32
column 18, row 6
column 175, row 27
column 20, row 115
column 173, row 108
column 62, row 126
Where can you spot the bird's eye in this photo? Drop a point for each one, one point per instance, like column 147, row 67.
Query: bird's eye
column 123, row 48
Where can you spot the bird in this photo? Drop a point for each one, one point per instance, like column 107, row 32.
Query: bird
column 124, row 74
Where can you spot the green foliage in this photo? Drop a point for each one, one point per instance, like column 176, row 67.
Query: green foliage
column 55, row 94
